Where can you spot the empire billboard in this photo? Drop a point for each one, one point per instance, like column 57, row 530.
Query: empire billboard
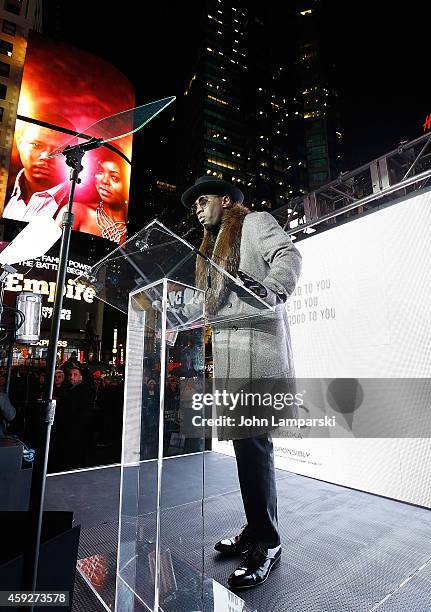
column 39, row 276
column 64, row 91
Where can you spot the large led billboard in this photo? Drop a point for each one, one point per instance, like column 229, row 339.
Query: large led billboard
column 361, row 308
column 64, row 91
column 361, row 330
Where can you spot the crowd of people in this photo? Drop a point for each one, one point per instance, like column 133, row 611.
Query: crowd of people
column 175, row 442
column 87, row 429
column 88, row 418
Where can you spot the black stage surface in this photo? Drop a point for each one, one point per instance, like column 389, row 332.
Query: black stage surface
column 343, row 550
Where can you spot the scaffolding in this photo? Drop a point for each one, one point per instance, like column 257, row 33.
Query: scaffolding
column 402, row 171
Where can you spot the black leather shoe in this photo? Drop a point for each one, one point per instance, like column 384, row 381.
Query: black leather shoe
column 254, row 568
column 235, row 546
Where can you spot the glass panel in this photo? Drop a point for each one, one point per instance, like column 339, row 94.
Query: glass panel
column 181, row 516
column 161, row 532
column 100, row 568
column 156, row 252
column 149, row 567
column 161, row 543
column 119, row 125
column 140, row 425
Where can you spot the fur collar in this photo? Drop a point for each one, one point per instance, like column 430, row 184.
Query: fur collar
column 223, row 248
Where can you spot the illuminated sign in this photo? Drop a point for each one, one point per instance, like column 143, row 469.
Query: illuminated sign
column 45, row 343
column 427, row 124
column 39, row 276
column 52, row 109
column 72, row 290
column 114, row 349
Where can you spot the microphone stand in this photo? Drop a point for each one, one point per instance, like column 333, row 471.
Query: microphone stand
column 73, row 155
column 6, row 269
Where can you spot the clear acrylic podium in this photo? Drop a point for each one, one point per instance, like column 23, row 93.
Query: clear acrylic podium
column 162, row 543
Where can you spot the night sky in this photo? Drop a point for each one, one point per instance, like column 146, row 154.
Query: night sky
column 380, row 51
column 382, row 60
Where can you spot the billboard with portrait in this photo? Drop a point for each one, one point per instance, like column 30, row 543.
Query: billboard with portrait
column 64, row 91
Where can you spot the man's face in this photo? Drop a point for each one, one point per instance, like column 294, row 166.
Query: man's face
column 75, row 376
column 209, row 210
column 34, row 144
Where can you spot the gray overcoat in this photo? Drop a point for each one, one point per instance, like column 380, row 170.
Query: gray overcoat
column 256, row 348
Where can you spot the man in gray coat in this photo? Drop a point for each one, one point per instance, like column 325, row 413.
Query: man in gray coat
column 252, row 247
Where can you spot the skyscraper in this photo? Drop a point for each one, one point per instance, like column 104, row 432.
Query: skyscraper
column 323, row 133
column 240, row 111
column 212, row 107
column 17, row 18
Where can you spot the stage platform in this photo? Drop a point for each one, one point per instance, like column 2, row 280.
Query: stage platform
column 343, row 550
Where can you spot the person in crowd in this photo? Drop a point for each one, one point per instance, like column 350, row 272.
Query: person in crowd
column 107, row 217
column 59, row 384
column 23, row 392
column 71, row 362
column 7, row 411
column 191, row 359
column 73, row 425
column 150, row 419
column 40, row 383
column 41, row 187
column 90, row 341
column 171, row 414
column 109, row 404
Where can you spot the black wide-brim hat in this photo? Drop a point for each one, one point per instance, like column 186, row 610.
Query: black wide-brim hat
column 208, row 185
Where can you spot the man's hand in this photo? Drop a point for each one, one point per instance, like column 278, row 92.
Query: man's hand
column 253, row 285
column 270, row 296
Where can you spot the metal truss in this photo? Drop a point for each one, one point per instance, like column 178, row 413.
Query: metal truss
column 400, row 172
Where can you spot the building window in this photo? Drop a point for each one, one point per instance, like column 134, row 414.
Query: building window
column 319, row 177
column 1, row 113
column 13, row 6
column 224, row 164
column 9, row 27
column 317, row 164
column 314, row 152
column 311, row 114
column 218, row 100
column 3, row 91
column 315, row 139
column 6, row 48
column 166, row 186
column 4, row 69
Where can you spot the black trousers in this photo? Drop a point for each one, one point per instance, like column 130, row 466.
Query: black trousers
column 255, row 464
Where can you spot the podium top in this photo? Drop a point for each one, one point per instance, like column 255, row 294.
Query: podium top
column 156, row 253
column 117, row 126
